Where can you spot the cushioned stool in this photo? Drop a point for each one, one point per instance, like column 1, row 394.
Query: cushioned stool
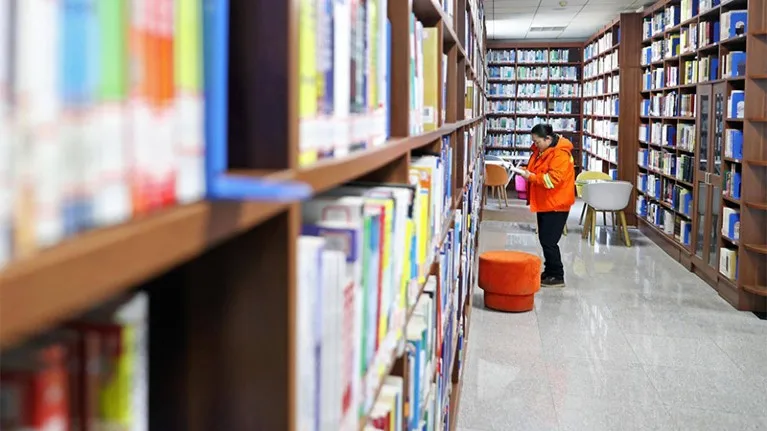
column 510, row 279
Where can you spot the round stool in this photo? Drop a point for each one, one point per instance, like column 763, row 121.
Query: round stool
column 509, row 279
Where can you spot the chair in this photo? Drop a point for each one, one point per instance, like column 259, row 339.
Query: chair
column 580, row 181
column 609, row 196
column 497, row 178
column 509, row 279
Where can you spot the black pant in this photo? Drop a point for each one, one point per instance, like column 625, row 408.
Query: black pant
column 550, row 227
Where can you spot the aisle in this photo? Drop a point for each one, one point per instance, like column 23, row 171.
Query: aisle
column 635, row 342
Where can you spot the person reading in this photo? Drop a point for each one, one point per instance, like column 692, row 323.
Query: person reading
column 550, row 175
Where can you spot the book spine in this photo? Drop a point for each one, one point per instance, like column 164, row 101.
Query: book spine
column 341, row 75
column 142, row 77
column 189, row 103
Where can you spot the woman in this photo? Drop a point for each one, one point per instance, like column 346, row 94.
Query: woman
column 551, row 189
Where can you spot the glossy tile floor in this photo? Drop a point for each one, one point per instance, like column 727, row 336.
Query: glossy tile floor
column 634, row 342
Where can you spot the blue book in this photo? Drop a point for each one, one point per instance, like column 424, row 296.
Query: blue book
column 713, row 69
column 736, row 104
column 216, row 65
column 686, row 203
column 734, row 23
column 716, row 37
column 736, row 64
column 736, row 183
column 78, row 83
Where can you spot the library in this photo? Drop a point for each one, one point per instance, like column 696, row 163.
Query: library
column 339, row 215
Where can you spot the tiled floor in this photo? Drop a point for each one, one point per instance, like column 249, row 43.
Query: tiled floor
column 634, row 342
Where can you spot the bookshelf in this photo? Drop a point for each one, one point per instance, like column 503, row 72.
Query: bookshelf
column 610, row 74
column 531, row 83
column 700, row 195
column 229, row 338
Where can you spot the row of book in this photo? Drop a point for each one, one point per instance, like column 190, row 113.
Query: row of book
column 602, row 86
column 602, row 65
column 365, row 249
column 670, row 104
column 601, row 45
column 513, row 140
column 534, row 73
column 101, row 115
column 604, row 149
column 732, row 24
column 592, row 163
column 681, row 167
column 527, row 123
column 343, row 69
column 89, row 374
column 533, row 90
column 666, row 220
column 554, row 55
column 435, row 334
column 609, row 106
column 605, row 129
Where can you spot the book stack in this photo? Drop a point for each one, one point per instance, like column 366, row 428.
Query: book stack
column 101, row 115
column 343, row 77
column 91, row 374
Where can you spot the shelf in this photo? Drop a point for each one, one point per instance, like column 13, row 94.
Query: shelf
column 757, row 205
column 429, row 12
column 756, row 248
column 756, row 290
column 86, row 270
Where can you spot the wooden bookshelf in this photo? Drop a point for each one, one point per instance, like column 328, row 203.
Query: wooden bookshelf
column 695, row 105
column 542, row 103
column 610, row 74
column 222, row 275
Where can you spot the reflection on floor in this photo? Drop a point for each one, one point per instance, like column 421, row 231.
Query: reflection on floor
column 634, row 342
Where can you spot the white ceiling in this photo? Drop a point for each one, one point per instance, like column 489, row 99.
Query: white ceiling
column 512, row 19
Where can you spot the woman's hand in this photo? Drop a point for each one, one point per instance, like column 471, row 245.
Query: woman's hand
column 526, row 174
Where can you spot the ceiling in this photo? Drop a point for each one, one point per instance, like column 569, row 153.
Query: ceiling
column 513, row 19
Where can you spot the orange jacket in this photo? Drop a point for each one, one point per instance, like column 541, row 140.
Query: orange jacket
column 552, row 183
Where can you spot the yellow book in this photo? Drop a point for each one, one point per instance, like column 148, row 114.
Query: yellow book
column 431, row 61
column 307, row 80
column 386, row 299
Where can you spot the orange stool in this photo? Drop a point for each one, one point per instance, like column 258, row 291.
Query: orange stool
column 510, row 279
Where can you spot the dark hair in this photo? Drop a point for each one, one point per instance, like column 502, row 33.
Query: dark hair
column 543, row 131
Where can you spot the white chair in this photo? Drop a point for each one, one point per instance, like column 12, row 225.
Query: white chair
column 604, row 197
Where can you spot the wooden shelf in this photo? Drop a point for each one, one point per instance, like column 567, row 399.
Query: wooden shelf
column 60, row 282
column 756, row 290
column 757, row 248
column 757, row 205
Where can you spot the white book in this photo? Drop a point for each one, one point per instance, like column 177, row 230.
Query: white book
column 341, row 76
column 330, row 311
column 309, row 277
column 38, row 109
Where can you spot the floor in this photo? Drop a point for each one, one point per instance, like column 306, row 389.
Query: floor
column 634, row 342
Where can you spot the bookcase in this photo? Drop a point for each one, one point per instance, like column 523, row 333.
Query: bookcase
column 610, row 121
column 528, row 84
column 701, row 179
column 316, row 273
